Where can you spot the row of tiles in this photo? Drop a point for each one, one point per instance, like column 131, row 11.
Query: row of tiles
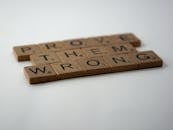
column 91, row 66
column 66, row 55
column 23, row 53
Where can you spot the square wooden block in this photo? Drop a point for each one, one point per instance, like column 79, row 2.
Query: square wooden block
column 93, row 66
column 131, row 38
column 74, row 43
column 22, row 53
column 94, row 42
column 52, row 46
column 40, row 74
column 68, row 69
column 147, row 59
column 120, row 48
column 96, row 51
column 73, row 54
column 44, row 58
column 112, row 39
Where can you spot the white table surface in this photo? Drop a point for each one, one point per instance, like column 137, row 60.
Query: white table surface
column 135, row 100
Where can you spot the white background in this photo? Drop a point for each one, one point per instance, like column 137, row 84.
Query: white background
column 135, row 100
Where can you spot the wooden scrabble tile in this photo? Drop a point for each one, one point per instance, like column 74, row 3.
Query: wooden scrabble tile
column 52, row 46
column 23, row 53
column 131, row 38
column 68, row 69
column 74, row 43
column 112, row 39
column 44, row 58
column 40, row 74
column 93, row 66
column 94, row 42
column 148, row 59
column 74, row 54
column 96, row 51
column 120, row 48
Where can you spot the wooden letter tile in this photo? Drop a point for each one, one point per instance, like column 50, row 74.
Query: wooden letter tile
column 131, row 38
column 74, row 44
column 52, row 46
column 93, row 66
column 148, row 59
column 120, row 48
column 44, row 58
column 96, row 51
column 68, row 69
column 40, row 74
column 23, row 53
column 74, row 54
